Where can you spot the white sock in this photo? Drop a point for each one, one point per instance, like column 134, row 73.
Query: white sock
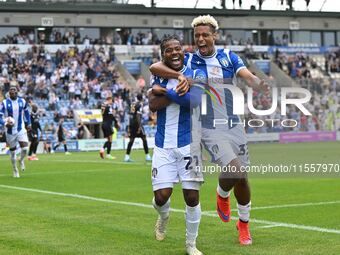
column 192, row 219
column 127, row 157
column 222, row 193
column 23, row 153
column 14, row 159
column 164, row 210
column 244, row 212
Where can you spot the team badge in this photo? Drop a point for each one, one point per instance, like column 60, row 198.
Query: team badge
column 224, row 62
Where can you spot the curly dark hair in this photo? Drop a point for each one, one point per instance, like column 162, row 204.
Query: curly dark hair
column 167, row 38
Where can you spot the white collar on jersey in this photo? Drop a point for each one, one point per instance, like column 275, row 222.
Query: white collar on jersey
column 211, row 56
column 183, row 69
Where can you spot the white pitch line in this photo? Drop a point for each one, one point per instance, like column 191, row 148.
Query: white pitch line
column 264, row 222
column 269, row 226
column 28, row 173
column 99, row 161
column 289, row 205
column 113, row 162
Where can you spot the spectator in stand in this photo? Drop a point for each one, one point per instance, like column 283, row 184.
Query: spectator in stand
column 140, row 83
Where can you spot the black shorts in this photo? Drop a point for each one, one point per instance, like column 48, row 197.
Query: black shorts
column 61, row 139
column 107, row 130
column 32, row 136
column 137, row 132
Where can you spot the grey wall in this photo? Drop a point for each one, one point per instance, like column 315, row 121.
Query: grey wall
column 164, row 21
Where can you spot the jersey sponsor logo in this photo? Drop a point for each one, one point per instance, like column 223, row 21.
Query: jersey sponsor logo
column 214, row 71
column 201, row 78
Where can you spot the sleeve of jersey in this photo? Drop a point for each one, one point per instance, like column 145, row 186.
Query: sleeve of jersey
column 181, row 100
column 237, row 62
column 27, row 115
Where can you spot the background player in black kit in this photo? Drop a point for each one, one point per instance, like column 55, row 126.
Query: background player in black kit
column 135, row 128
column 33, row 135
column 61, row 137
column 108, row 119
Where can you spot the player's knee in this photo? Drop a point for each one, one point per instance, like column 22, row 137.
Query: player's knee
column 233, row 171
column 242, row 182
column 161, row 198
column 23, row 145
column 191, row 198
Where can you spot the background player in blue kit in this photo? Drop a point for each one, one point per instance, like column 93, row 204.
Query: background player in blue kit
column 14, row 115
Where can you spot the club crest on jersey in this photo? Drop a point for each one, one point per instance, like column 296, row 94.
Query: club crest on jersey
column 224, row 62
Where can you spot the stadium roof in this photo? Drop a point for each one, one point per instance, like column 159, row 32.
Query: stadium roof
column 112, row 8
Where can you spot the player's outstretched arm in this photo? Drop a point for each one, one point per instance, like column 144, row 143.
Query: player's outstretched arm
column 253, row 81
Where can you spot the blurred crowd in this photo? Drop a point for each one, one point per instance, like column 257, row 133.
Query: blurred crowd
column 72, row 80
column 67, row 80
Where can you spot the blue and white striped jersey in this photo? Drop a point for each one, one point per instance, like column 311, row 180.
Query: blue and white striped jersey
column 220, row 68
column 176, row 121
column 18, row 110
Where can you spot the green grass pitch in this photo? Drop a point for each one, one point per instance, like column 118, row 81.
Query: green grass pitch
column 81, row 204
